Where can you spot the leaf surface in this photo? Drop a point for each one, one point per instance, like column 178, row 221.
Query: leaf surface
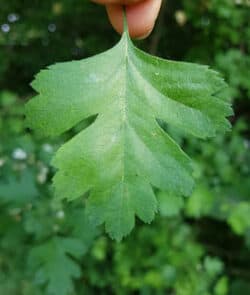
column 124, row 154
column 54, row 266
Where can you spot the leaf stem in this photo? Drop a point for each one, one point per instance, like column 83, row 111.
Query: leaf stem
column 125, row 22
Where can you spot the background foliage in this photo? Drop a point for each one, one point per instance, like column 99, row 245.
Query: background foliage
column 199, row 245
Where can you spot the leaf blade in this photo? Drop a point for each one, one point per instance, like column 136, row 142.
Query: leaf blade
column 125, row 153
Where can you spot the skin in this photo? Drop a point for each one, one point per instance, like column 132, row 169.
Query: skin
column 141, row 15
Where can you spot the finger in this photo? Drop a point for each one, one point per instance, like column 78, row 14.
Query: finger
column 121, row 2
column 140, row 16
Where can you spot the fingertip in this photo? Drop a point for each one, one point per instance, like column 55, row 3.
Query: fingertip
column 141, row 17
column 120, row 2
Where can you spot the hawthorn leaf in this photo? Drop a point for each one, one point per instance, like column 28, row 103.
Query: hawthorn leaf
column 16, row 191
column 53, row 265
column 81, row 228
column 124, row 154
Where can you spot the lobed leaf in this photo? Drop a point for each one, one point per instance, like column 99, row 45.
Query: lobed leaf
column 54, row 266
column 124, row 154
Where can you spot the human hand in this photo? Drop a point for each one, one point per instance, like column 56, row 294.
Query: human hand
column 141, row 15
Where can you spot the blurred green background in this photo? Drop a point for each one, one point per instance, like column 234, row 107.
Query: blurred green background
column 196, row 246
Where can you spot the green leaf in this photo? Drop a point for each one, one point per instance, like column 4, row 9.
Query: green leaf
column 54, row 266
column 169, row 205
column 7, row 99
column 81, row 228
column 239, row 218
column 213, row 266
column 201, row 201
column 19, row 191
column 222, row 286
column 125, row 153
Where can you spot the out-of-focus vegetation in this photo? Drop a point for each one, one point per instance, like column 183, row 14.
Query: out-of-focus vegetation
column 196, row 246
